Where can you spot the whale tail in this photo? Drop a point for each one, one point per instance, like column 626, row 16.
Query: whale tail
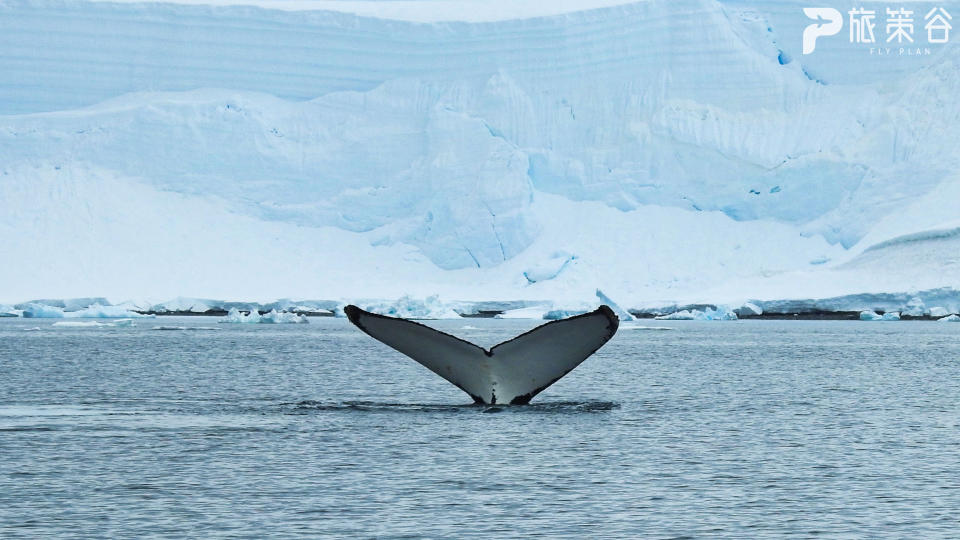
column 512, row 372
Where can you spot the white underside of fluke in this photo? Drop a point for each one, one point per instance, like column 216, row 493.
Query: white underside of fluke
column 512, row 372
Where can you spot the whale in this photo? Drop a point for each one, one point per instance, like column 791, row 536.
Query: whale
column 512, row 372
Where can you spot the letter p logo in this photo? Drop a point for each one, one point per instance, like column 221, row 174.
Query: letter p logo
column 829, row 22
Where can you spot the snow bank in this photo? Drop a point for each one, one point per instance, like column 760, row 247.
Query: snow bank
column 549, row 268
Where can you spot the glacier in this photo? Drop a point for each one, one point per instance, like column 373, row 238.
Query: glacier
column 664, row 152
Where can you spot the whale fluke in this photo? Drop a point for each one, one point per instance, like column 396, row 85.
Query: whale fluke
column 512, row 372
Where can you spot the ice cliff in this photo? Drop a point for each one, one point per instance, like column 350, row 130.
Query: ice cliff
column 678, row 150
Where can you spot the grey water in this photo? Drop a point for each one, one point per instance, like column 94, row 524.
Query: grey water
column 718, row 429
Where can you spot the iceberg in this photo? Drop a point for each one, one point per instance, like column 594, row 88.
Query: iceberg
column 234, row 316
column 42, row 311
column 915, row 307
column 950, row 318
column 748, row 309
column 622, row 314
column 870, row 315
column 938, row 312
column 283, row 317
column 708, row 314
column 185, row 304
column 97, row 311
column 682, row 315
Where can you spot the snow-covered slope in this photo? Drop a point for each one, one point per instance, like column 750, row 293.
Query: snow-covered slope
column 660, row 150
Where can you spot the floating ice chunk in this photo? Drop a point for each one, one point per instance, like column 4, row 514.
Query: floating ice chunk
column 870, row 315
column 719, row 314
column 8, row 311
column 42, row 311
column 950, row 318
column 891, row 316
column 283, row 317
column 34, row 329
column 234, row 316
column 938, row 312
column 254, row 317
column 748, row 310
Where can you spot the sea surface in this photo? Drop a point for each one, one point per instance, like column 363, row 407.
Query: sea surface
column 713, row 429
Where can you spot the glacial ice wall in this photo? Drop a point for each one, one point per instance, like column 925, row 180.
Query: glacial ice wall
column 442, row 135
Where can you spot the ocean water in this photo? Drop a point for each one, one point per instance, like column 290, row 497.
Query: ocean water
column 719, row 429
